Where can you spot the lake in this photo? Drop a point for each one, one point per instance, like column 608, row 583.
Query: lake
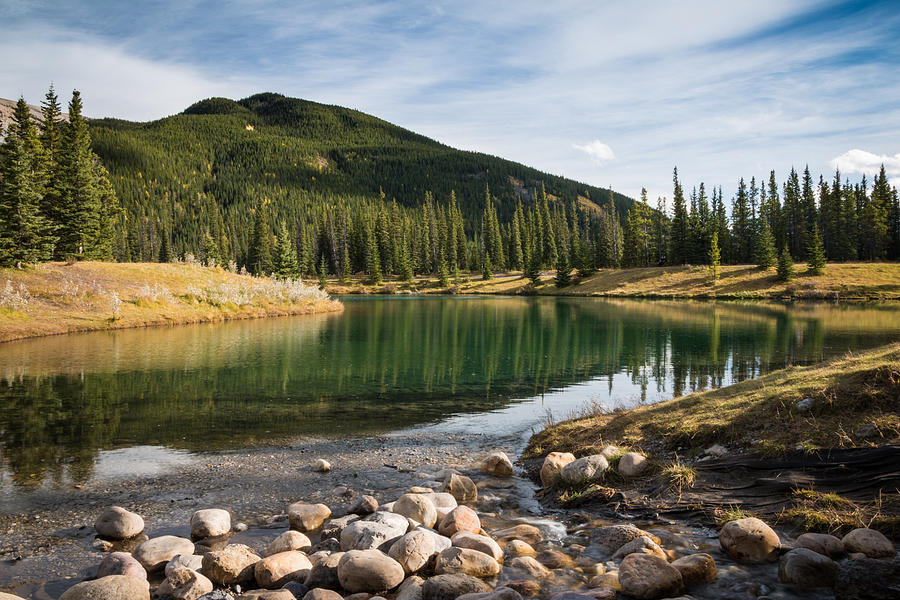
column 92, row 405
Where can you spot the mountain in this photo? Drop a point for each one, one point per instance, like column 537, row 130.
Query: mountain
column 7, row 107
column 221, row 155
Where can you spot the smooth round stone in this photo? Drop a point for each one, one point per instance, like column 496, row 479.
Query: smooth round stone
column 519, row 548
column 632, row 464
column 417, row 507
column 805, row 568
column 210, row 522
column 320, row 465
column 111, row 587
column 116, row 523
column 461, row 487
column 498, row 465
column 307, row 517
column 647, row 577
column 461, row 518
column 585, row 469
column 364, row 505
column 481, row 543
column 289, row 540
column 468, row 561
column 450, row 587
column 193, row 562
column 324, row 573
column 413, row 550
column 553, row 464
column 369, row 571
column 696, row 568
column 824, row 544
column 230, row 565
column 322, row 594
column 530, row 566
column 613, row 537
column 156, row 552
column 749, row 540
column 121, row 563
column 276, row 570
column 870, row 542
column 365, row 535
column 641, row 545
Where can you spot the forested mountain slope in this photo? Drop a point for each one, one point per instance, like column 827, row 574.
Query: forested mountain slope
column 206, row 169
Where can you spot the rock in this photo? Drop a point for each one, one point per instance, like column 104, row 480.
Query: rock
column 451, row 586
column 121, row 563
column 342, row 490
column 571, row 596
column 210, row 522
column 553, row 463
column 481, row 543
column 807, row 569
column 749, row 540
column 610, row 452
column 184, row 584
column 116, row 523
column 334, row 527
column 461, row 518
column 322, row 594
column 5, row 596
column 410, row 589
column 604, row 593
column 554, row 559
column 240, row 526
column 155, row 553
column 498, row 465
column 443, row 504
column 320, row 465
column 716, row 450
column 526, row 533
column 613, row 537
column 530, row 566
column 230, row 565
column 461, row 487
column 805, row 405
column 585, row 469
column 824, row 544
column 868, row 579
column 267, row 595
column 441, row 542
column 417, row 507
column 287, row 541
column 324, row 574
column 369, row 571
column 870, row 542
column 307, row 517
column 111, row 587
column 276, row 570
column 632, row 464
column 468, row 561
column 364, row 505
column 184, row 561
column 413, row 550
column 648, row 577
column 364, row 535
column 519, row 548
column 501, row 593
column 217, row 595
column 419, row 489
column 526, row 587
column 696, row 568
column 641, row 545
column 608, row 580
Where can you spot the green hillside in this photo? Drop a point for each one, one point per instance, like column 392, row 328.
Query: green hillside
column 199, row 175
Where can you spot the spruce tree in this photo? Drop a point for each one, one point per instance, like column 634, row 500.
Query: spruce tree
column 679, row 234
column 346, row 268
column 259, row 256
column 486, row 270
column 285, row 260
column 785, row 265
column 765, row 254
column 815, row 253
column 165, row 253
column 323, row 273
column 714, row 257
column 373, row 260
column 443, row 273
column 563, row 271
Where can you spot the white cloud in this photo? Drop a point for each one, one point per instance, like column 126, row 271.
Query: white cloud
column 868, row 163
column 599, row 152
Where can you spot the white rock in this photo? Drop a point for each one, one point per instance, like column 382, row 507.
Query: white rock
column 587, row 468
column 210, row 522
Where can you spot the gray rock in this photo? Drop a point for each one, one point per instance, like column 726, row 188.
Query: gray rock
column 322, row 594
column 217, row 595
column 121, row 563
column 210, row 522
column 155, row 553
column 613, row 537
column 111, row 587
column 807, row 569
column 868, row 579
column 184, row 561
column 749, row 540
column 585, row 469
column 369, row 571
column 501, row 593
column 324, row 574
column 870, row 542
column 334, row 527
column 116, row 523
column 364, row 535
column 450, row 587
column 648, row 577
column 824, row 544
column 413, row 550
column 805, row 405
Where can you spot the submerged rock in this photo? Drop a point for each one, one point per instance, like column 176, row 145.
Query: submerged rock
column 648, row 577
column 807, row 569
column 641, row 545
column 468, row 561
column 498, row 465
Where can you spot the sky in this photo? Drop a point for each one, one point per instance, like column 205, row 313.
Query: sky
column 613, row 94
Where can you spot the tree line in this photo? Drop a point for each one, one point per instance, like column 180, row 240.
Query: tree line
column 56, row 199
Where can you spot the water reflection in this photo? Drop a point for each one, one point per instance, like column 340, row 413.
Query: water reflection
column 387, row 364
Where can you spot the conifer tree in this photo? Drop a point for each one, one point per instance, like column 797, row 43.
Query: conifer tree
column 259, row 257
column 165, row 253
column 346, row 268
column 285, row 259
column 680, row 240
column 443, row 273
column 637, row 234
column 765, row 254
column 815, row 254
column 563, row 271
column 486, row 268
column 715, row 257
column 373, row 261
column 785, row 265
column 323, row 273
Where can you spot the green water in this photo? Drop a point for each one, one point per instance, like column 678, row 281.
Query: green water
column 385, row 364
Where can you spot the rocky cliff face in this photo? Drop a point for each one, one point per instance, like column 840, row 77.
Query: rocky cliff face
column 7, row 107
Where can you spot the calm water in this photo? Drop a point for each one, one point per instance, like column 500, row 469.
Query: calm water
column 80, row 406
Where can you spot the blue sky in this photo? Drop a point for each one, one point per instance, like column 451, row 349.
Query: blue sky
column 610, row 93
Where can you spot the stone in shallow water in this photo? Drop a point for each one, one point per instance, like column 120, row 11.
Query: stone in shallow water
column 498, row 465
column 369, row 571
column 613, row 537
column 501, row 593
column 870, row 542
column 155, row 553
column 481, row 543
column 553, row 463
column 320, row 465
column 461, row 518
column 807, row 569
column 749, row 540
column 461, row 487
column 530, row 566
column 121, row 563
column 647, row 577
column 364, row 505
column 116, row 523
column 450, row 587
column 210, row 522
column 641, row 545
column 307, row 517
column 289, row 540
column 696, row 568
column 468, row 561
column 112, row 587
column 824, row 544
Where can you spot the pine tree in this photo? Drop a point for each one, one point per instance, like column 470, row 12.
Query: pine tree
column 285, row 259
column 443, row 273
column 873, row 219
column 323, row 273
column 563, row 271
column 637, row 234
column 165, row 253
column 785, row 265
column 486, row 270
column 740, row 225
column 373, row 260
column 815, row 253
column 715, row 257
column 259, row 256
column 680, row 240
column 765, row 253
column 346, row 268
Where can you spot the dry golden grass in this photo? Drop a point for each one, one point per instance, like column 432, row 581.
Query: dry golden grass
column 56, row 298
column 858, row 393
column 840, row 280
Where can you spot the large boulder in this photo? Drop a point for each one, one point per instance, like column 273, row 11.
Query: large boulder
column 417, row 507
column 553, row 463
column 364, row 535
column 468, row 561
column 749, row 540
column 276, row 570
column 370, row 571
column 287, row 541
column 307, row 517
column 184, row 584
column 823, row 543
column 585, row 469
column 807, row 569
column 121, row 563
column 498, row 465
column 870, row 542
column 193, row 562
column 116, row 523
column 632, row 464
column 696, row 568
column 413, row 550
column 155, row 553
column 111, row 587
column 481, row 543
column 648, row 577
column 461, row 518
column 461, row 487
column 210, row 522
column 232, row 564
column 324, row 573
column 451, row 586
column 868, row 579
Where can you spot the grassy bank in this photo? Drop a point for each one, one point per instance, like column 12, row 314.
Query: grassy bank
column 855, row 402
column 844, row 280
column 56, row 298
